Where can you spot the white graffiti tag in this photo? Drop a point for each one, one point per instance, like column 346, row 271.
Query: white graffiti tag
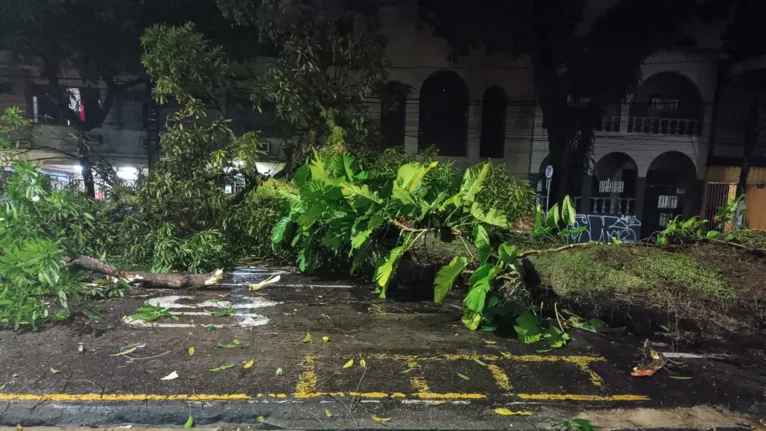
column 603, row 228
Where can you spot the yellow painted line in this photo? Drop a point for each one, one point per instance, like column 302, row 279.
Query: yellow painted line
column 575, row 359
column 418, row 384
column 125, row 397
column 245, row 397
column 449, row 396
column 501, row 378
column 307, row 380
column 579, row 397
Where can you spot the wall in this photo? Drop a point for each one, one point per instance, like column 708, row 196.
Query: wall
column 415, row 54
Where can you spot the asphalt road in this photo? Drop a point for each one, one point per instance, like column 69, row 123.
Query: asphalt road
column 392, row 364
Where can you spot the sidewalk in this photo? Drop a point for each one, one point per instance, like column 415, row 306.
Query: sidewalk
column 422, row 369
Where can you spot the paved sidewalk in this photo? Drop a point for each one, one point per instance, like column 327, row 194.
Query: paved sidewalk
column 414, row 367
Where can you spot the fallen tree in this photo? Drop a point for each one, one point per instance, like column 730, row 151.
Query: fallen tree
column 149, row 279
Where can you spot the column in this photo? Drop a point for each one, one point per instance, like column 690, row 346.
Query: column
column 625, row 113
column 585, row 194
column 638, row 210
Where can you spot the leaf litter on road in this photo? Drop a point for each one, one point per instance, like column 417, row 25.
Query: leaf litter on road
column 249, row 364
column 349, row 364
column 463, row 376
column 307, row 338
column 363, row 363
column 222, row 368
column 380, row 420
column 127, row 350
column 480, row 362
column 502, row 411
column 171, row 376
column 191, row 351
column 328, row 413
column 54, row 371
column 189, row 422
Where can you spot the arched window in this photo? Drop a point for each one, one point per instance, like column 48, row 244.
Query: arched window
column 393, row 111
column 443, row 120
column 492, row 143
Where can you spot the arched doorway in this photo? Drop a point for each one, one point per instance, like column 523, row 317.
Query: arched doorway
column 667, row 103
column 613, row 189
column 493, row 108
column 443, row 120
column 393, row 112
column 669, row 190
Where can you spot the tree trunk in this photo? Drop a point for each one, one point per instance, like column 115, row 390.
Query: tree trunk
column 168, row 280
column 87, row 169
column 751, row 136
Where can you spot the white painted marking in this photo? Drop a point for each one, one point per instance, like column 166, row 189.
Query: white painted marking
column 241, row 314
column 681, row 355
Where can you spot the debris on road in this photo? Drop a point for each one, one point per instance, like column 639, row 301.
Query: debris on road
column 653, row 361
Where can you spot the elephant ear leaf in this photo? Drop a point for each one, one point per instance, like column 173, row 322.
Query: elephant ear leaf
column 446, row 277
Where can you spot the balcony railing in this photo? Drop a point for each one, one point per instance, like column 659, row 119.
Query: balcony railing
column 664, row 126
column 609, row 123
column 616, row 206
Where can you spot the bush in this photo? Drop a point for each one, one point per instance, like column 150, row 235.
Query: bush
column 510, row 195
column 39, row 227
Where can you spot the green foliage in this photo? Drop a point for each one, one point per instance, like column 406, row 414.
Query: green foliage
column 512, row 197
column 151, row 313
column 725, row 213
column 557, row 223
column 679, row 230
column 574, row 425
column 39, row 228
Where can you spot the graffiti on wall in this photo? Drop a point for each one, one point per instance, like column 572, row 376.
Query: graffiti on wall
column 602, row 228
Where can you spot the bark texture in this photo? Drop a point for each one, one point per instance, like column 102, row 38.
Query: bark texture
column 149, row 279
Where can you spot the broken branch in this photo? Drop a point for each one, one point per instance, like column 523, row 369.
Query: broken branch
column 166, row 280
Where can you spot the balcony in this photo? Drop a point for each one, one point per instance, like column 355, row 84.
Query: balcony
column 664, row 126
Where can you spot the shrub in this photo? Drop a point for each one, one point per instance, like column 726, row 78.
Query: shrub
column 512, row 196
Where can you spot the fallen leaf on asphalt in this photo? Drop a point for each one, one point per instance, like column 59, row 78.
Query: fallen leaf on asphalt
column 349, row 364
column 210, row 328
column 224, row 346
column 543, row 350
column 207, row 313
column 191, row 351
column 326, row 339
column 235, row 341
column 407, row 371
column 127, row 350
column 2, row 387
column 54, row 371
column 325, row 316
column 681, row 378
column 508, row 412
column 19, row 427
column 328, row 413
column 221, row 368
column 260, row 285
column 363, row 363
column 14, row 375
column 260, row 419
column 307, row 338
column 189, row 422
column 463, row 376
column 80, row 348
column 249, row 364
column 480, row 362
column 279, row 371
column 171, row 376
column 380, row 420
column 490, row 341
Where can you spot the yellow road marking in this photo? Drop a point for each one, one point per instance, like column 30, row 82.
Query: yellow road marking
column 501, row 379
column 578, row 397
column 417, row 383
column 246, row 397
column 307, row 380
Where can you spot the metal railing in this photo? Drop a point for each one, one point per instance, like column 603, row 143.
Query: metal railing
column 665, row 126
column 609, row 123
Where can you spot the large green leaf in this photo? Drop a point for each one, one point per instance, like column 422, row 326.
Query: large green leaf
column 568, row 211
column 278, row 232
column 293, row 201
column 308, row 218
column 446, row 276
column 353, row 190
column 492, row 216
column 318, row 168
column 348, row 165
column 359, row 238
column 507, row 252
column 527, row 327
column 471, row 319
column 474, row 300
column 481, row 240
column 385, row 268
column 473, row 181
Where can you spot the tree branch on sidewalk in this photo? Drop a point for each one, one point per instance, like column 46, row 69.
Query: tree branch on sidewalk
column 149, row 279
